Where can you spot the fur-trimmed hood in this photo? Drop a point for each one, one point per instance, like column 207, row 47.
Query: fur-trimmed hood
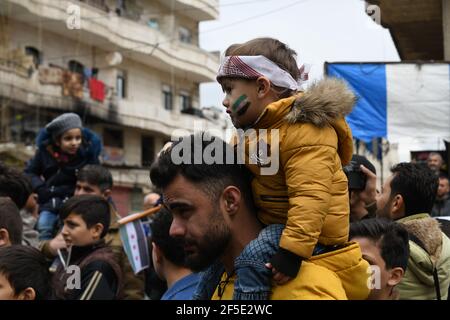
column 428, row 231
column 326, row 103
column 43, row 139
column 323, row 103
column 433, row 253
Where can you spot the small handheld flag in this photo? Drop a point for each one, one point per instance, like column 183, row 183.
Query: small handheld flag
column 134, row 239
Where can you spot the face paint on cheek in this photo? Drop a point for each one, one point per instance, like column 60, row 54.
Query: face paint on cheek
column 241, row 105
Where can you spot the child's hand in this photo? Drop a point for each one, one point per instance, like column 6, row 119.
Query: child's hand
column 56, row 244
column 280, row 278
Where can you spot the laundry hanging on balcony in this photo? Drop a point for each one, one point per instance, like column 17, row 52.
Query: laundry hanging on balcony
column 97, row 89
column 72, row 84
column 50, row 75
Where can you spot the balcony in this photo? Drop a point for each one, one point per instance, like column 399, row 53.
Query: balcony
column 198, row 10
column 24, row 84
column 111, row 32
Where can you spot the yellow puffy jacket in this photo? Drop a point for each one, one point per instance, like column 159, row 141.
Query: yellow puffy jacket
column 338, row 275
column 309, row 193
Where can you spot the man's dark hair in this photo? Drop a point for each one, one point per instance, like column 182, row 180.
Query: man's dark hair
column 444, row 176
column 10, row 220
column 210, row 178
column 93, row 209
column 96, row 175
column 391, row 237
column 417, row 185
column 24, row 267
column 172, row 248
column 14, row 184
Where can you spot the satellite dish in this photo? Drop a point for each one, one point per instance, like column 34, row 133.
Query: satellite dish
column 113, row 58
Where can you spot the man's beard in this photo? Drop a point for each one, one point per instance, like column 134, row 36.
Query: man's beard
column 212, row 245
column 385, row 211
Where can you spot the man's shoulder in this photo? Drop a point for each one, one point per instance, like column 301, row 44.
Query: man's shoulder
column 97, row 265
column 183, row 289
column 112, row 239
column 313, row 282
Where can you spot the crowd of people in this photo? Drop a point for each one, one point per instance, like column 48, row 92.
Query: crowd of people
column 318, row 228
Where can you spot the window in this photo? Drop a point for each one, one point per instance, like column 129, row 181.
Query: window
column 121, row 84
column 185, row 101
column 148, row 151
column 113, row 138
column 35, row 53
column 75, row 66
column 184, row 35
column 167, row 97
column 95, row 72
column 153, row 23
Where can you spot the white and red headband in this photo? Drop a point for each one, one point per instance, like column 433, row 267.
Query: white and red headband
column 252, row 67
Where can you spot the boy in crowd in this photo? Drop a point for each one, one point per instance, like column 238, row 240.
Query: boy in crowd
column 97, row 180
column 10, row 223
column 24, row 274
column 17, row 186
column 169, row 260
column 86, row 221
column 384, row 244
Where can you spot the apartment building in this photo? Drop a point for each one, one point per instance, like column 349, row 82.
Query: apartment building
column 131, row 69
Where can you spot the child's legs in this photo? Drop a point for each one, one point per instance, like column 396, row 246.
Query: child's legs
column 46, row 224
column 253, row 282
column 254, row 279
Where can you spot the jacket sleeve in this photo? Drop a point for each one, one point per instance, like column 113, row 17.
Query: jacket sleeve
column 98, row 282
column 309, row 173
column 34, row 170
column 95, row 146
column 133, row 283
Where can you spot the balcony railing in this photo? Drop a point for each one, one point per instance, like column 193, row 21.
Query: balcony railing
column 136, row 39
column 41, row 84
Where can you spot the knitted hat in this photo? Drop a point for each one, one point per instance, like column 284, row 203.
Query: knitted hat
column 64, row 122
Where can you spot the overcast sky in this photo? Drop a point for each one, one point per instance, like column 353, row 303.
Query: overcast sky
column 319, row 30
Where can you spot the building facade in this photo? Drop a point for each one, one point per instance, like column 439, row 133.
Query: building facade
column 131, row 69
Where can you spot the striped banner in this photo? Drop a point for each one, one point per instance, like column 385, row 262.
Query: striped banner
column 135, row 245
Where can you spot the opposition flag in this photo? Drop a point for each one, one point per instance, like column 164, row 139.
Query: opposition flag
column 399, row 101
column 134, row 239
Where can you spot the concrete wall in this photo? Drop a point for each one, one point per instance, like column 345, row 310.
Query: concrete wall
column 111, row 32
column 446, row 26
column 144, row 83
column 56, row 49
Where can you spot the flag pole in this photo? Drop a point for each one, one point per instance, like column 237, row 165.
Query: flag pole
column 139, row 215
